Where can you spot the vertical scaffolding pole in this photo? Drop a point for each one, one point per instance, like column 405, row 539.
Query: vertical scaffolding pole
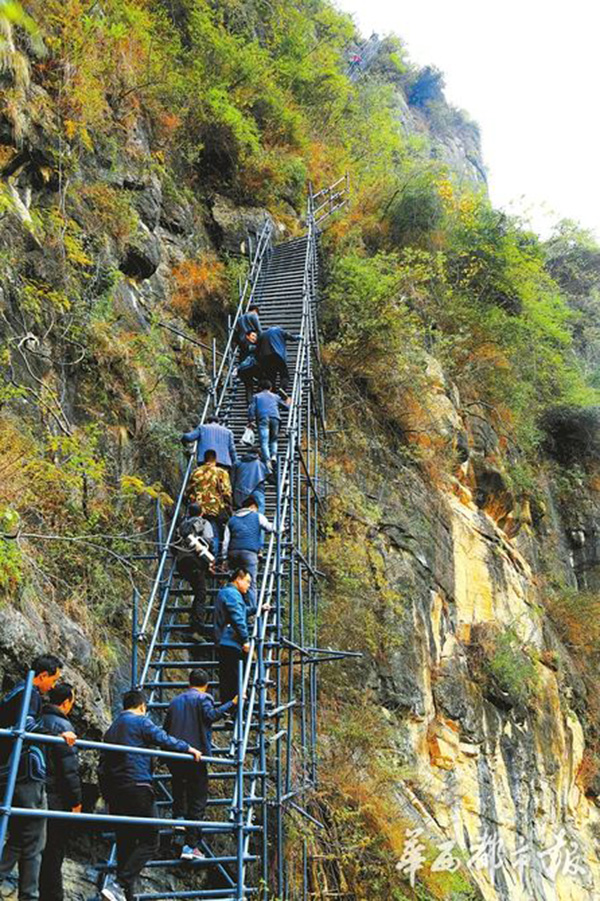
column 213, row 376
column 263, row 768
column 278, row 637
column 135, row 602
column 15, row 759
column 239, row 720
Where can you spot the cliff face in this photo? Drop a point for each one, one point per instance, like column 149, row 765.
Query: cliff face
column 478, row 714
column 487, row 709
column 452, row 138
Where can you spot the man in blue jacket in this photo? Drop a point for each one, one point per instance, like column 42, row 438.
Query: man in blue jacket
column 265, row 409
column 232, row 634
column 272, row 355
column 126, row 780
column 213, row 436
column 249, row 477
column 190, row 717
column 244, row 539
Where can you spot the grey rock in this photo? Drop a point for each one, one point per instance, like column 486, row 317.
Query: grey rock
column 147, row 199
column 142, row 256
column 233, row 223
column 456, row 695
column 176, row 216
column 484, row 439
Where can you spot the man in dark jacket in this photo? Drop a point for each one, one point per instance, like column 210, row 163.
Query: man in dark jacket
column 232, row 635
column 272, row 355
column 127, row 781
column 248, row 322
column 249, row 477
column 190, row 717
column 248, row 368
column 27, row 835
column 63, row 786
column 193, row 548
column 265, row 409
column 213, row 436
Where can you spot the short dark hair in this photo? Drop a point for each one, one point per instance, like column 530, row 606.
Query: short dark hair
column 210, row 455
column 265, row 385
column 250, row 501
column 253, row 307
column 194, row 509
column 212, row 418
column 46, row 663
column 61, row 693
column 199, row 677
column 237, row 572
column 133, row 698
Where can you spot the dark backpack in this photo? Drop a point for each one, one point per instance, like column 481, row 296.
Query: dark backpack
column 191, row 526
column 32, row 763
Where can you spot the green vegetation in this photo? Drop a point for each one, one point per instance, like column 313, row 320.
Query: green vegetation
column 499, row 660
column 471, row 286
column 129, row 106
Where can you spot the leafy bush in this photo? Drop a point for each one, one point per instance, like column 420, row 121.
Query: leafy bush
column 499, row 659
column 427, row 85
column 416, row 212
column 200, row 286
column 10, row 554
column 576, row 614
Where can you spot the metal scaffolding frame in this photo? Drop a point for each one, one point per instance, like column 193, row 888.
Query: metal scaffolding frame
column 270, row 759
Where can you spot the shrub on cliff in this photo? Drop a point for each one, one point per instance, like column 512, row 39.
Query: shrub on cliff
column 416, row 212
column 501, row 663
column 428, row 84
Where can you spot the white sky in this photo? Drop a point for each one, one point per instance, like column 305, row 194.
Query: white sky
column 528, row 71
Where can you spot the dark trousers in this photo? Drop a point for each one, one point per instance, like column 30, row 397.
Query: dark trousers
column 228, row 671
column 189, row 785
column 247, row 377
column 274, row 368
column 193, row 571
column 136, row 845
column 218, row 527
column 57, row 836
column 25, row 841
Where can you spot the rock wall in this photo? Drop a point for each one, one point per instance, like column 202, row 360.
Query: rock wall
column 452, row 138
column 491, row 772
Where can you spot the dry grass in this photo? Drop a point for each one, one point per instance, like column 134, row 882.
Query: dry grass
column 198, row 285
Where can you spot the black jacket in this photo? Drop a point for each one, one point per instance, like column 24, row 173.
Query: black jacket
column 63, row 780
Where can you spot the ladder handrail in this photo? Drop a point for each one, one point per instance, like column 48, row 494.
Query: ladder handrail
column 255, row 658
column 228, row 359
column 332, row 199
